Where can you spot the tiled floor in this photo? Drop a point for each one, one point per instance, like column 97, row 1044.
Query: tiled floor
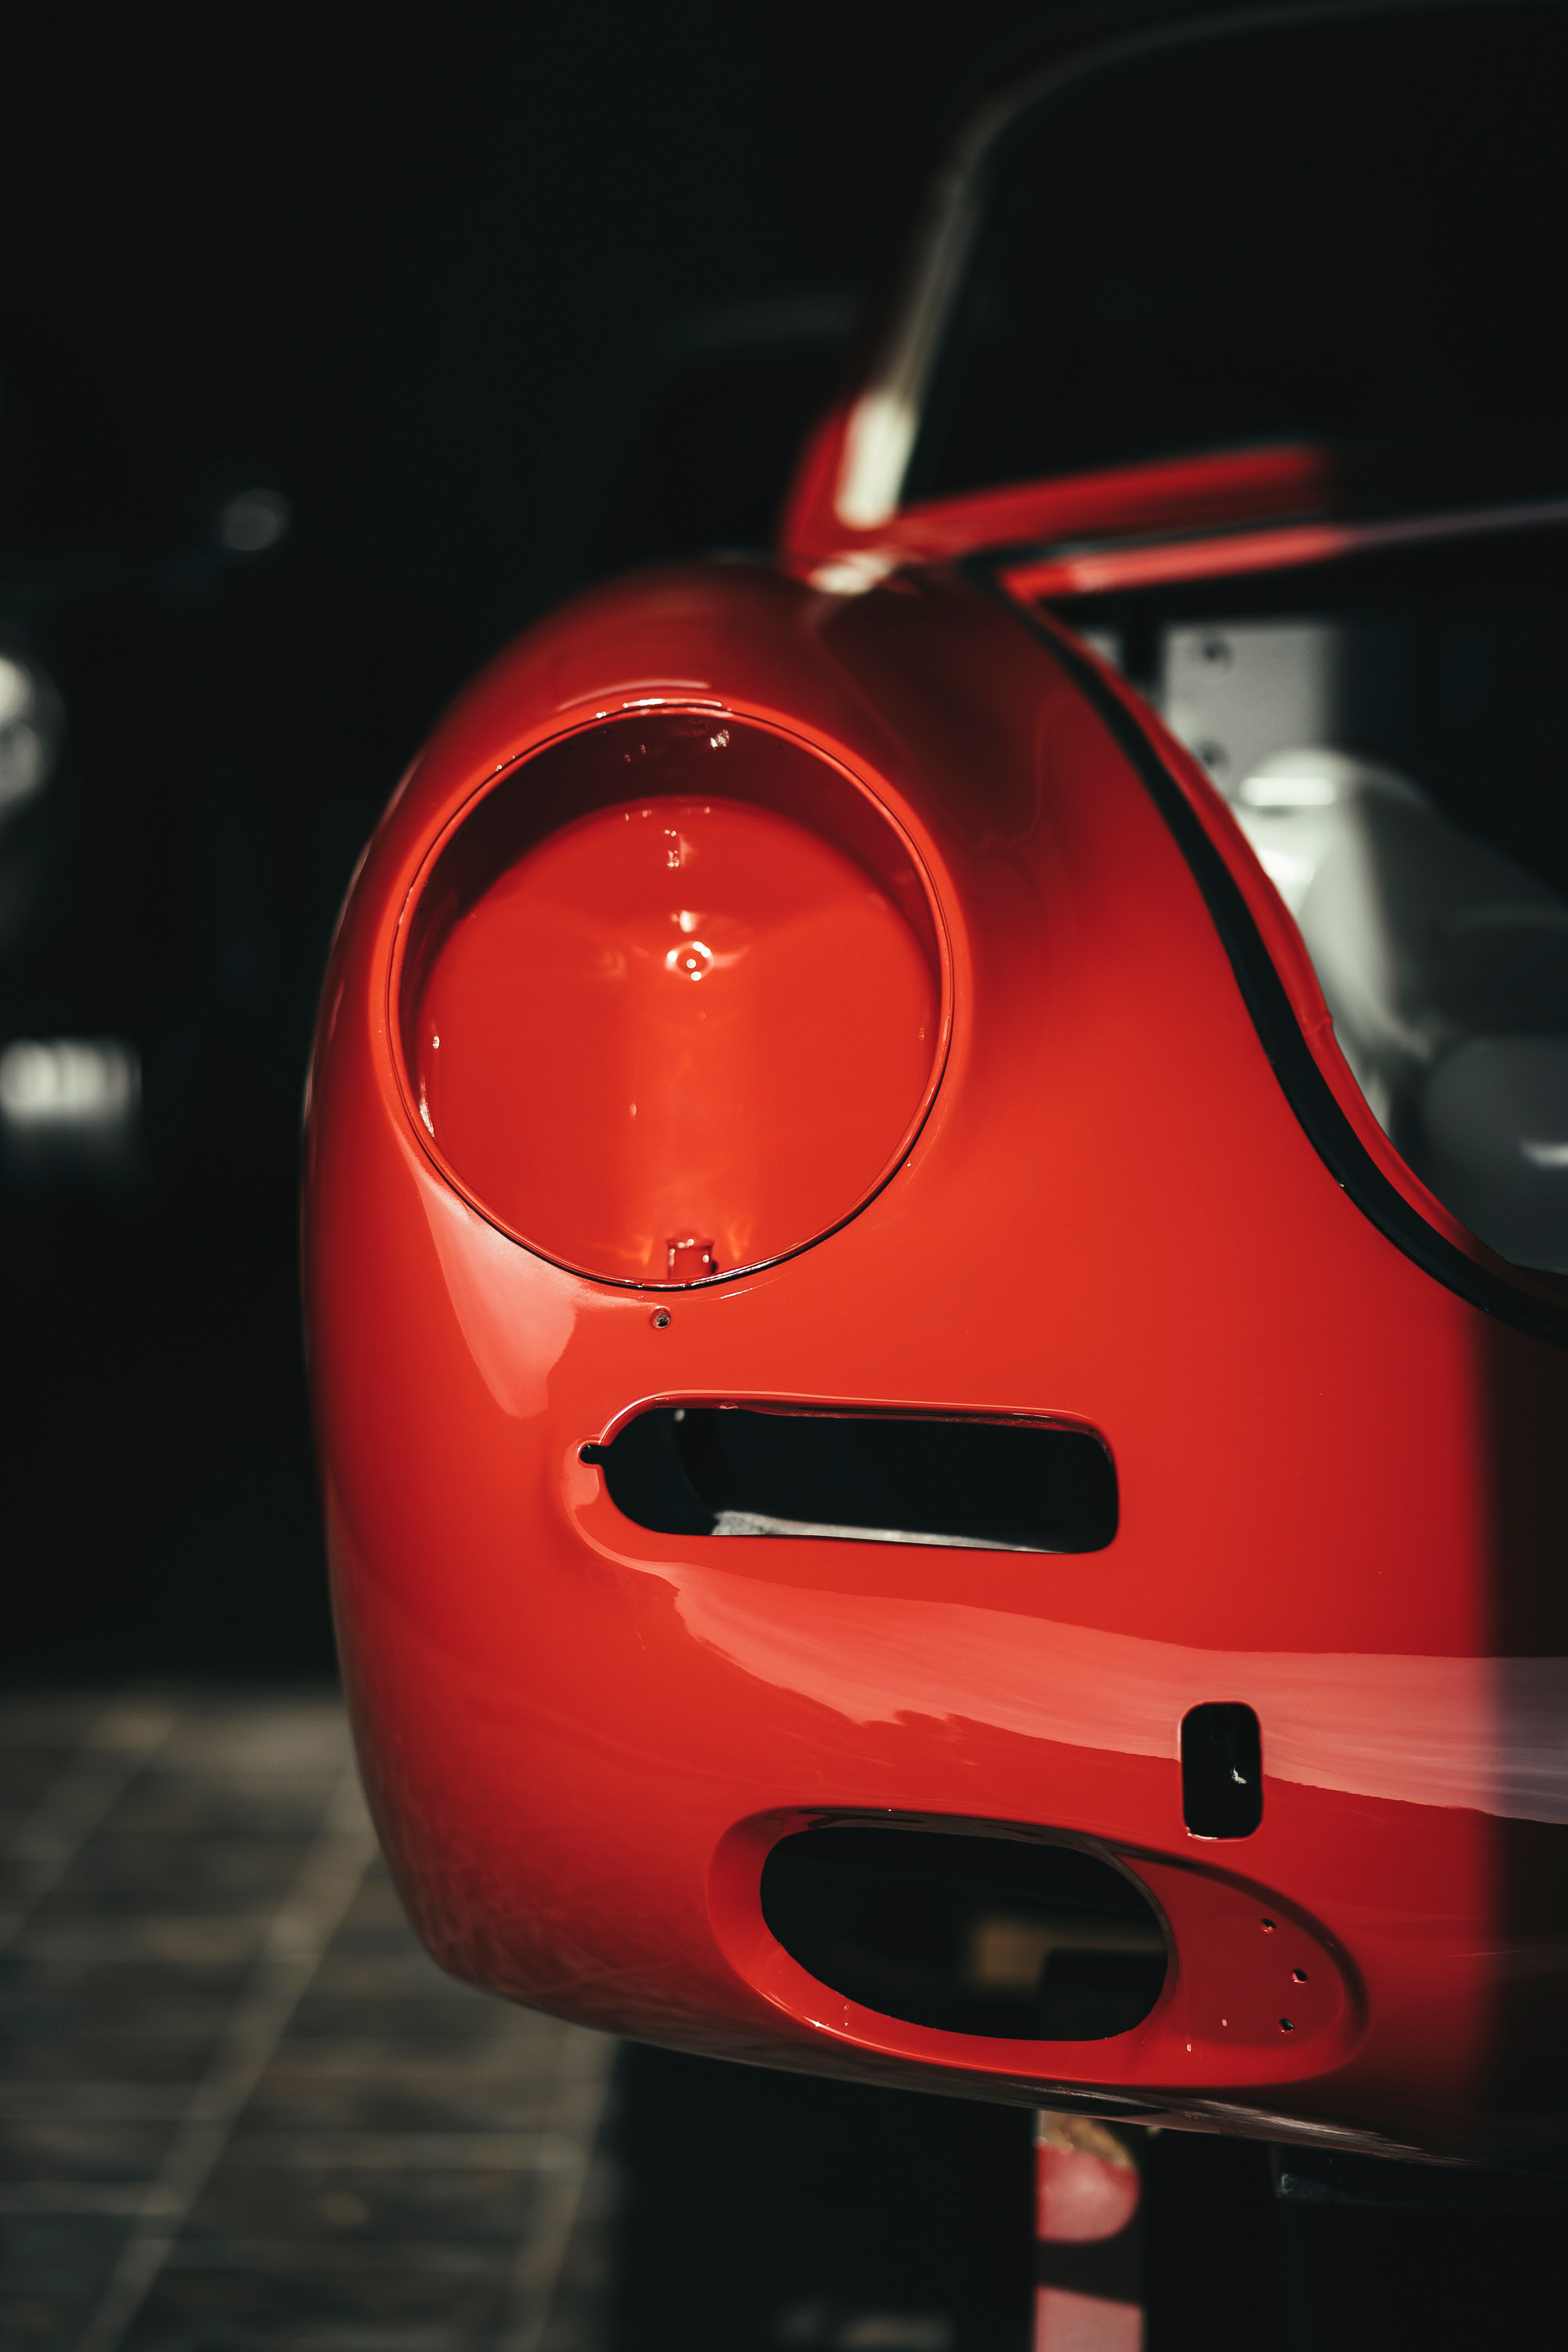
column 238, row 2106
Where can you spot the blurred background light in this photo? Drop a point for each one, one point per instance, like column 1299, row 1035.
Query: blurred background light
column 70, row 1109
column 30, row 727
column 68, row 1082
column 252, row 522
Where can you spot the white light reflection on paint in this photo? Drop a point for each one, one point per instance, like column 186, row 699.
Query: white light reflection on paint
column 516, row 1313
column 1490, row 1734
column 855, row 574
column 692, row 961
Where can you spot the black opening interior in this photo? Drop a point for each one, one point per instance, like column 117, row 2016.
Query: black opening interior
column 972, row 1934
column 728, row 1471
column 1222, row 1770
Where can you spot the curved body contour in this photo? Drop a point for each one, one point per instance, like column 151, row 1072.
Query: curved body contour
column 1341, row 1487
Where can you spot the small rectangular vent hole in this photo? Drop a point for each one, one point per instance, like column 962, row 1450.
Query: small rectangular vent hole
column 1222, row 1770
column 975, row 1484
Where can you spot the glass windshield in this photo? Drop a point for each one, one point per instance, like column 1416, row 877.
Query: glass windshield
column 1349, row 231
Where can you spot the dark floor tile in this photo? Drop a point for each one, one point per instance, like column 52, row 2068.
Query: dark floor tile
column 90, row 2102
column 63, row 2148
column 19, row 1877
column 410, row 2097
column 27, row 1774
column 46, row 1723
column 114, row 1877
column 164, row 2049
column 456, row 2205
column 391, row 1940
column 376, row 1919
column 349, row 1974
column 285, row 1805
column 86, row 1954
column 331, row 2334
column 578, row 2317
column 429, row 2023
column 53, row 2269
column 268, row 2296
column 256, row 1741
column 386, row 2171
column 102, row 2005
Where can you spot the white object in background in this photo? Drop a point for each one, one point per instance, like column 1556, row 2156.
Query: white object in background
column 1446, row 968
column 68, row 1082
column 71, row 1107
column 1293, row 808
column 252, row 522
column 30, row 722
column 1425, row 936
column 16, row 691
column 1235, row 692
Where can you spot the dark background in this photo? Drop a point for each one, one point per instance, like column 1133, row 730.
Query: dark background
column 497, row 301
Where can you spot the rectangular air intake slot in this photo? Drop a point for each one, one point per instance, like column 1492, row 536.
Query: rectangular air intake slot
column 983, row 1485
column 1222, row 1770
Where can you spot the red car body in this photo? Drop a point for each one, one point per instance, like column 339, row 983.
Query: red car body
column 1029, row 1115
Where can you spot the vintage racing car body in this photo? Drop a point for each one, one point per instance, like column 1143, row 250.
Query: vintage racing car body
column 932, row 1471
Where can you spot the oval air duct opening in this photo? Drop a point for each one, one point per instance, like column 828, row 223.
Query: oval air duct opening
column 1005, row 1936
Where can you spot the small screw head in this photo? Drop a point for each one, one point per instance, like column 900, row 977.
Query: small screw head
column 1268, row 1926
column 1299, row 1975
column 1286, row 2026
column 660, row 1318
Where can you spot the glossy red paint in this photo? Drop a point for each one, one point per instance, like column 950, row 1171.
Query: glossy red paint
column 1179, row 495
column 678, row 1032
column 1342, row 1499
column 1094, row 570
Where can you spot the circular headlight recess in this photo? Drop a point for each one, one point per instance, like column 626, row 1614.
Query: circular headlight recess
column 672, row 998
